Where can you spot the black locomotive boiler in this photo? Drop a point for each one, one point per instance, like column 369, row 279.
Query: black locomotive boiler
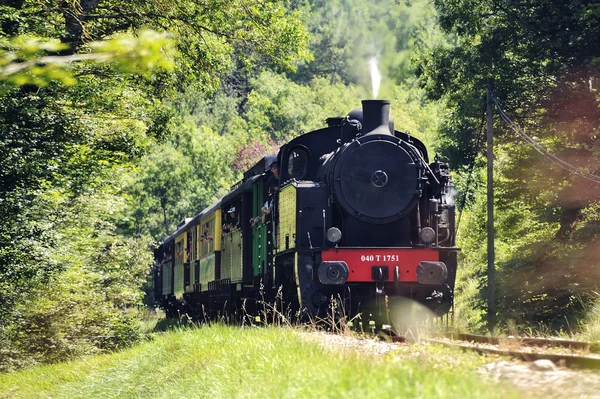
column 358, row 214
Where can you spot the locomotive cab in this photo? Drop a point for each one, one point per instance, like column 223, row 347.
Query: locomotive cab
column 386, row 226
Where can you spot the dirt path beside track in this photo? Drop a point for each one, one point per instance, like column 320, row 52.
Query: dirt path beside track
column 538, row 379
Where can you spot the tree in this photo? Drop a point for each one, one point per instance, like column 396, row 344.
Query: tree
column 539, row 54
column 64, row 144
column 542, row 58
column 178, row 179
column 347, row 34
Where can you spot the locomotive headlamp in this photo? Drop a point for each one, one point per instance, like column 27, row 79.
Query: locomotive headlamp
column 427, row 235
column 334, row 235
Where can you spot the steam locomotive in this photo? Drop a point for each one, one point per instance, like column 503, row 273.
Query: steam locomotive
column 358, row 215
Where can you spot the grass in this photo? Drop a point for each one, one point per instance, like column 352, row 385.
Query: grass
column 228, row 362
column 591, row 323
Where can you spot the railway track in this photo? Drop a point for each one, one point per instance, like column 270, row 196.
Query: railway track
column 565, row 353
column 527, row 341
column 562, row 352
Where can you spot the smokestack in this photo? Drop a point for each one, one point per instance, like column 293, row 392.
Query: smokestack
column 376, row 117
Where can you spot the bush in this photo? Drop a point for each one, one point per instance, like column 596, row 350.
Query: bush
column 91, row 304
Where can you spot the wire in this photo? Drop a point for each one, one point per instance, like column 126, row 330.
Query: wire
column 539, row 148
column 423, row 163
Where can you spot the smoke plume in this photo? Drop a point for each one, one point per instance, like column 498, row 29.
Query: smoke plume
column 375, row 75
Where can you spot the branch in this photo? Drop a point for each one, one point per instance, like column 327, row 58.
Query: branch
column 53, row 59
column 159, row 16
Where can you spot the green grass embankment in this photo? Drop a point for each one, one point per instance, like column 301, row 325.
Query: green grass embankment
column 227, row 362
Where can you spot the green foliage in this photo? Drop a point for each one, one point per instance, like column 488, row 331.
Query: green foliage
column 82, row 90
column 539, row 58
column 180, row 178
column 23, row 60
column 541, row 283
column 283, row 109
column 84, row 308
column 144, row 53
column 413, row 113
column 205, row 35
column 542, row 59
column 518, row 234
column 345, row 34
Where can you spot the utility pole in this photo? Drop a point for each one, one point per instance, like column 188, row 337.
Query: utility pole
column 490, row 210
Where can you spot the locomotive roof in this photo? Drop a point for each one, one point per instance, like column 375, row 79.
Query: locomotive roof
column 260, row 167
column 191, row 222
column 210, row 209
column 179, row 230
column 244, row 185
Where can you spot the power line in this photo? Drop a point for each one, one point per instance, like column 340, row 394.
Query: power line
column 539, row 148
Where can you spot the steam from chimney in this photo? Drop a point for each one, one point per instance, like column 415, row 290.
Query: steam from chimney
column 451, row 196
column 375, row 75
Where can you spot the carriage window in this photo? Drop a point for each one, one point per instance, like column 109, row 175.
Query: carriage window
column 298, row 162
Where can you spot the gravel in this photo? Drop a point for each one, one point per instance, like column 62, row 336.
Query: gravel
column 371, row 346
column 541, row 378
column 545, row 379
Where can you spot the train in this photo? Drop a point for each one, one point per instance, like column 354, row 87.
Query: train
column 347, row 218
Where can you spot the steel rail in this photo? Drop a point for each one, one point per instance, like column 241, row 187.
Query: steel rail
column 571, row 361
column 527, row 341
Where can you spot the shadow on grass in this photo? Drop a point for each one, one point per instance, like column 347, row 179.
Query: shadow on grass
column 174, row 323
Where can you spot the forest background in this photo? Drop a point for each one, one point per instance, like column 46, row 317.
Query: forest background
column 119, row 120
